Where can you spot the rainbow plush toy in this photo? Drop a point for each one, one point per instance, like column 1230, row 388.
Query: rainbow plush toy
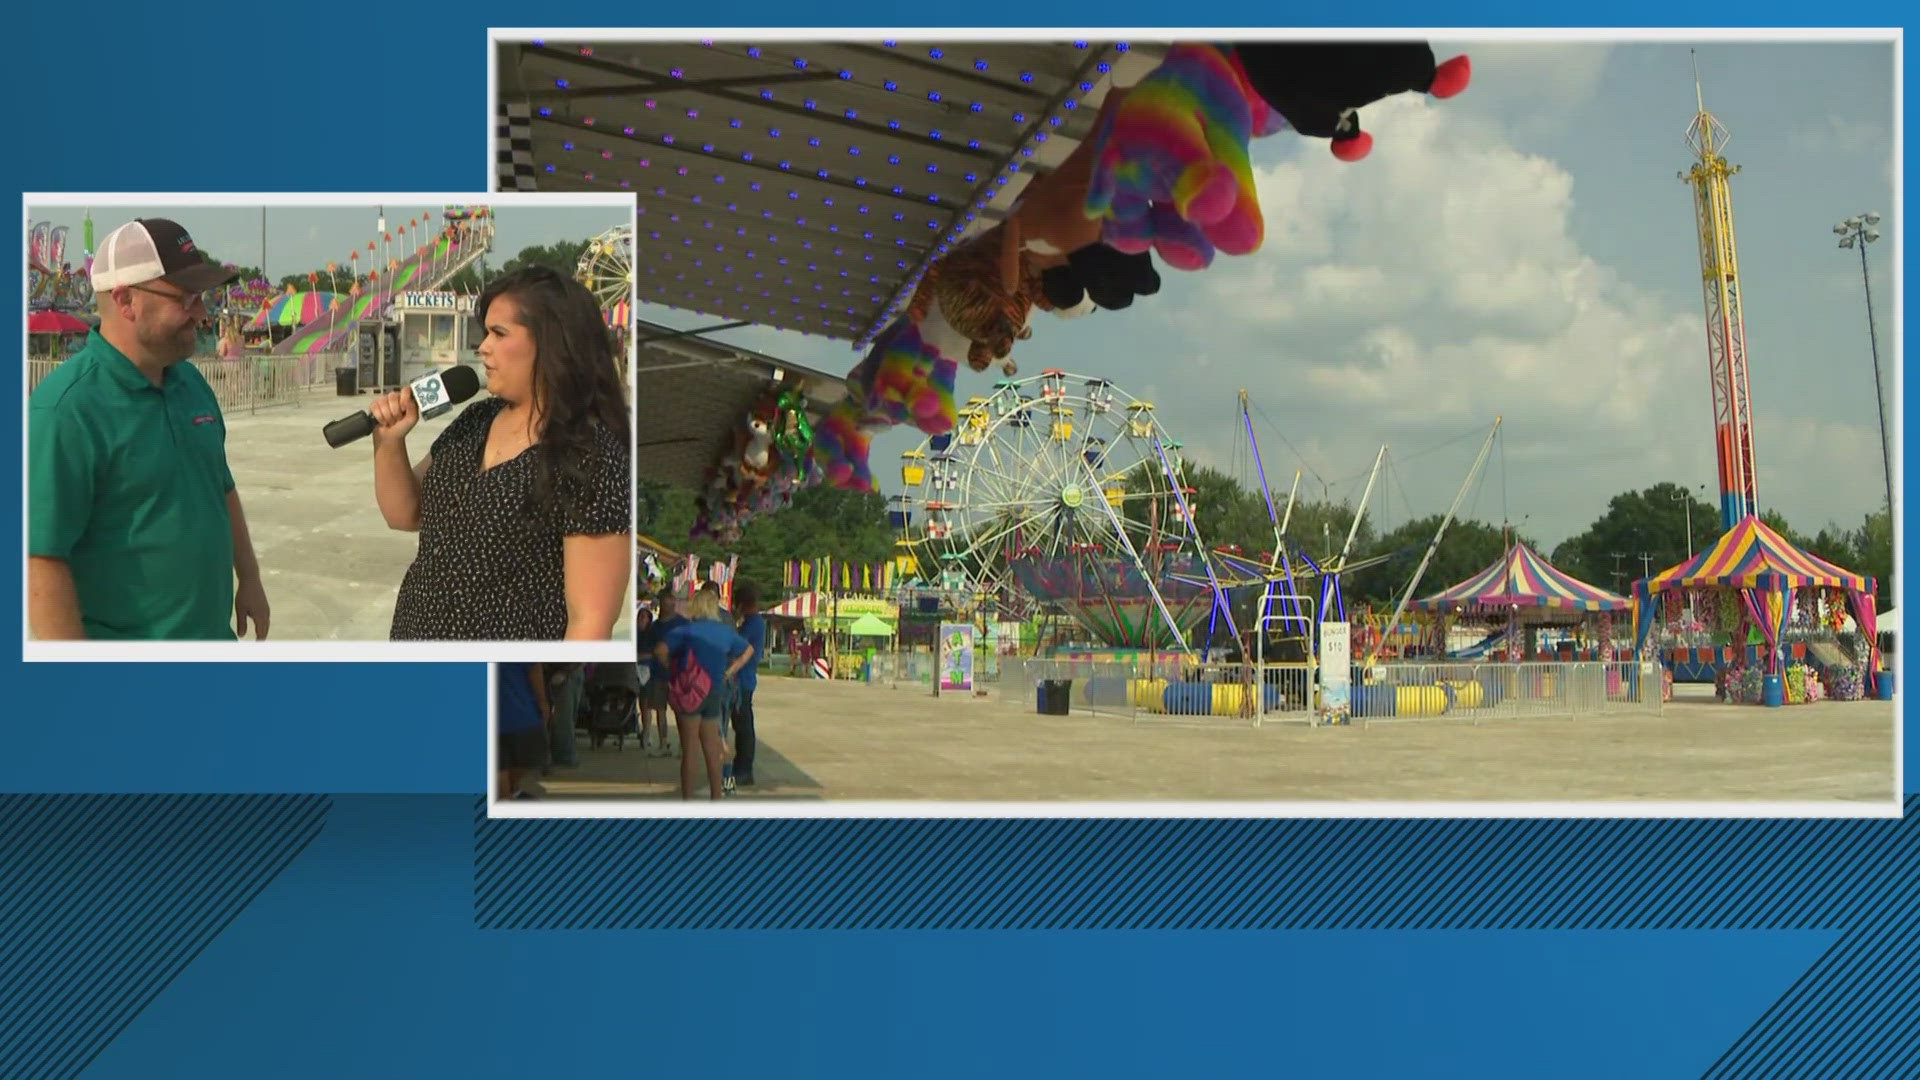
column 1170, row 168
column 842, row 444
column 905, row 379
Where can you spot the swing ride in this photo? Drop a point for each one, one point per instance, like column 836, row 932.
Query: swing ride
column 1062, row 492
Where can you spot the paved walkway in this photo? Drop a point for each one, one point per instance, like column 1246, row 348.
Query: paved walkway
column 331, row 565
column 849, row 741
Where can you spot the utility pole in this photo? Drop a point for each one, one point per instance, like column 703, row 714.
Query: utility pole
column 1858, row 231
column 1618, row 574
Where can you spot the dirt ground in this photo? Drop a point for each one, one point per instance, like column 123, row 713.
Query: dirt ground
column 845, row 741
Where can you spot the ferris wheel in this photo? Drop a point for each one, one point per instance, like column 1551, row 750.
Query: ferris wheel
column 606, row 267
column 1059, row 490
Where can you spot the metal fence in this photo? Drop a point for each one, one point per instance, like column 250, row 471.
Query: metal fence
column 916, row 669
column 1171, row 691
column 1504, row 690
column 250, row 383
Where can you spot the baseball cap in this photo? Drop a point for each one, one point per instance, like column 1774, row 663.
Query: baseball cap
column 151, row 249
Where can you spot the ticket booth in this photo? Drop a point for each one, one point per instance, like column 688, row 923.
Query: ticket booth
column 436, row 330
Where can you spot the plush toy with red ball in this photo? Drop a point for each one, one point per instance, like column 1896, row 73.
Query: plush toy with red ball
column 1319, row 87
column 1100, row 277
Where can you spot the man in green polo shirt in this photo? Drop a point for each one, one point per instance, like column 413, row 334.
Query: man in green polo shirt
column 134, row 529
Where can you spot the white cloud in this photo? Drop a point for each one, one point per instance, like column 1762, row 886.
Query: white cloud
column 1840, row 135
column 1415, row 295
column 1796, row 456
column 1412, row 297
column 1532, row 87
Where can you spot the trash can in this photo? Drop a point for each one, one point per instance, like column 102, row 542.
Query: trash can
column 1051, row 697
column 1773, row 692
column 1883, row 685
column 346, row 382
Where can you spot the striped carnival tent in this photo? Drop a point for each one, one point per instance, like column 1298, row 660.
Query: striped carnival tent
column 804, row 605
column 1521, row 578
column 1766, row 571
column 1528, row 592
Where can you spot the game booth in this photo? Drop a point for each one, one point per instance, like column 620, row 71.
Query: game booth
column 1754, row 583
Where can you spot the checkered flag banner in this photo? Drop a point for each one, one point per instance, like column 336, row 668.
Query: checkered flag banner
column 513, row 156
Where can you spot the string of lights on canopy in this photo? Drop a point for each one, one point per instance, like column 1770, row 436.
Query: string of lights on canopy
column 803, row 186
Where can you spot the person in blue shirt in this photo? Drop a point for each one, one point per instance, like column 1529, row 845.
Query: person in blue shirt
column 520, row 697
column 753, row 628
column 653, row 697
column 721, row 652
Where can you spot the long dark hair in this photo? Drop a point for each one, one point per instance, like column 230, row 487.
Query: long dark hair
column 576, row 385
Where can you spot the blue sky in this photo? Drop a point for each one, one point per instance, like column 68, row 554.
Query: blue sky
column 302, row 238
column 1525, row 249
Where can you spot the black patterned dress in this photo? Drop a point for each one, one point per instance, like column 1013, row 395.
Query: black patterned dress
column 487, row 570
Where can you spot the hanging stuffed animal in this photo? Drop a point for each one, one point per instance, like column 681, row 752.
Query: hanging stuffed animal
column 985, row 289
column 1318, row 87
column 1170, row 170
column 1098, row 275
column 756, row 441
column 843, row 446
column 1050, row 218
column 905, row 378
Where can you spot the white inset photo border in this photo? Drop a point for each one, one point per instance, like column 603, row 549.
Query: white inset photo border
column 502, row 166
column 306, row 534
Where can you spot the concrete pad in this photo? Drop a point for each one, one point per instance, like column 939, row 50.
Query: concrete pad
column 849, row 741
column 332, row 567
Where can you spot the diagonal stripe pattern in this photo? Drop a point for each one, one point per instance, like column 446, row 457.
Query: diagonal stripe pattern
column 106, row 898
column 1854, row 1013
column 1211, row 874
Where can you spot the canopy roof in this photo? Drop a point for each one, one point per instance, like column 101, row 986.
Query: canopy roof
column 800, row 185
column 1751, row 555
column 870, row 626
column 693, row 392
column 1522, row 578
column 799, row 606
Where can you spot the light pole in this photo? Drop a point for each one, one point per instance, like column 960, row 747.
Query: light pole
column 1685, row 499
column 1858, row 231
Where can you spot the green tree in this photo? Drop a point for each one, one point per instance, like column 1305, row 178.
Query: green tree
column 1865, row 550
column 466, row 281
column 562, row 255
column 1468, row 547
column 1652, row 522
column 823, row 522
column 1873, row 554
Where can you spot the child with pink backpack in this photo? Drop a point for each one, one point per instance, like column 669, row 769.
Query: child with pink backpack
column 701, row 658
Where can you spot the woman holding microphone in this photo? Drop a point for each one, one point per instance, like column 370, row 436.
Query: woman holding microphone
column 524, row 504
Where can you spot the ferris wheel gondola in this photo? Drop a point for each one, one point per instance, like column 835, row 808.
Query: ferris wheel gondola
column 1062, row 490
column 606, row 267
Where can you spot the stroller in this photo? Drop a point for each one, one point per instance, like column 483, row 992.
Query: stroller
column 612, row 704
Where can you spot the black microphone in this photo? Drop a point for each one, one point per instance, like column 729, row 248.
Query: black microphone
column 435, row 393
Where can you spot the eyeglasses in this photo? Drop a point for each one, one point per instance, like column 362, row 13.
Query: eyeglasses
column 189, row 301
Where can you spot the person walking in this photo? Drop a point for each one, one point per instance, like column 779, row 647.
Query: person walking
column 753, row 629
column 566, row 683
column 523, row 712
column 653, row 696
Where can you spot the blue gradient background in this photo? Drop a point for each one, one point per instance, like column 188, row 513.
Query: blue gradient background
column 362, row 957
